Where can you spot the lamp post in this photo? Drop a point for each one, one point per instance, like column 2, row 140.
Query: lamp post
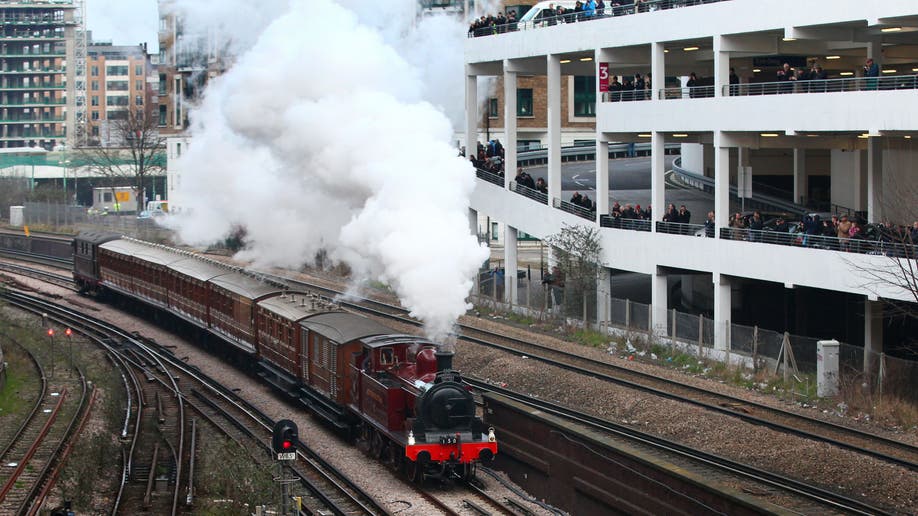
column 51, row 338
column 69, row 334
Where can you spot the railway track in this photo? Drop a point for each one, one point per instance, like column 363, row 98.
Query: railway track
column 806, row 498
column 880, row 447
column 149, row 364
column 48, row 277
column 34, row 452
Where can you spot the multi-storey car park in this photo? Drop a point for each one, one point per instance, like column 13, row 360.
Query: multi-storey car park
column 37, row 41
column 841, row 142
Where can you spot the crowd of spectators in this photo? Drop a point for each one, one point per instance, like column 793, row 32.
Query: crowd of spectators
column 489, row 158
column 630, row 88
column 584, row 10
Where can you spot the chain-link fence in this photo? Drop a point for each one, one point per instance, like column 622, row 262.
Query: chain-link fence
column 67, row 218
column 754, row 346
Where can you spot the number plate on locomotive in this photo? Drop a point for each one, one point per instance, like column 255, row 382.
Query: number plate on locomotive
column 449, row 439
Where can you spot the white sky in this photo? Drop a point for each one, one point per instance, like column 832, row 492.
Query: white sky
column 124, row 22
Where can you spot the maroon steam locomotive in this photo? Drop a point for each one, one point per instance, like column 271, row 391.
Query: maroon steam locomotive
column 396, row 393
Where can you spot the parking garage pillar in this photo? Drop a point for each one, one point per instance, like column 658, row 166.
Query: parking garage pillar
column 509, row 124
column 721, row 66
column 473, row 222
column 554, row 127
column 874, row 181
column 510, row 282
column 799, row 176
column 873, row 335
column 657, row 177
column 602, row 177
column 723, row 304
column 659, row 301
column 721, row 183
column 657, row 69
column 471, row 114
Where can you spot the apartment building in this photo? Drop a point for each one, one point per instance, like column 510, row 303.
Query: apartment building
column 120, row 79
column 37, row 44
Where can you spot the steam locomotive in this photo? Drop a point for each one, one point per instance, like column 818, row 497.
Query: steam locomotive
column 396, row 394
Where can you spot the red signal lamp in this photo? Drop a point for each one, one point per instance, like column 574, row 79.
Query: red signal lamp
column 50, row 332
column 287, row 445
column 68, row 332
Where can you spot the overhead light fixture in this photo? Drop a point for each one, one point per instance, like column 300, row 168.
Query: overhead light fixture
column 586, row 59
column 644, row 135
column 565, row 61
column 690, row 49
column 812, row 136
column 863, row 136
column 889, row 71
column 833, row 57
column 891, row 29
column 915, row 69
column 788, row 39
column 908, row 137
column 665, row 50
column 680, row 135
column 769, row 135
column 846, row 74
column 756, row 70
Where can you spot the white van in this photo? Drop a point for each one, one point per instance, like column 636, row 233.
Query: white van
column 540, row 15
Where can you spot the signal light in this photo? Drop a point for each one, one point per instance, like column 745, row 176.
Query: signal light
column 50, row 332
column 68, row 332
column 285, row 437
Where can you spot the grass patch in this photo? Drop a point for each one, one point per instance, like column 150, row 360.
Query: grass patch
column 590, row 338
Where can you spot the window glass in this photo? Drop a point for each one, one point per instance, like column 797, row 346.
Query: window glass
column 524, row 102
column 585, row 96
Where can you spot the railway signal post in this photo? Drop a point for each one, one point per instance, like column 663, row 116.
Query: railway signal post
column 69, row 333
column 51, row 338
column 283, row 445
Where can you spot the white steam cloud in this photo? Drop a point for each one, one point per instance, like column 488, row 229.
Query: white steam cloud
column 331, row 134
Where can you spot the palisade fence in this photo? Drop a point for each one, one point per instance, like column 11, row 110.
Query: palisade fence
column 61, row 216
column 754, row 347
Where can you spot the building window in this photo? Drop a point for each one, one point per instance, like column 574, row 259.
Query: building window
column 138, row 100
column 117, row 85
column 138, row 69
column 116, row 115
column 494, row 231
column 492, row 108
column 524, row 102
column 178, row 150
column 162, row 84
column 116, row 70
column 95, row 71
column 138, row 85
column 95, row 85
column 95, row 131
column 119, row 100
column 162, row 116
column 95, row 115
column 95, row 100
column 585, row 96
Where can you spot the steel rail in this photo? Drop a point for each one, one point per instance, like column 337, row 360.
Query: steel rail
column 811, row 492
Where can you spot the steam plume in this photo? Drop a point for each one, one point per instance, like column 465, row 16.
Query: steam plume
column 320, row 137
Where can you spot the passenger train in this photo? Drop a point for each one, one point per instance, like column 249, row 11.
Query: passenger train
column 395, row 393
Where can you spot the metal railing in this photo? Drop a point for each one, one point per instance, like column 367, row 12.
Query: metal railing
column 679, row 228
column 32, row 70
column 694, row 92
column 574, row 209
column 534, row 157
column 36, row 102
column 610, row 221
column 627, row 95
column 895, row 82
column 490, row 177
column 9, row 53
column 525, row 191
column 645, row 6
column 829, row 243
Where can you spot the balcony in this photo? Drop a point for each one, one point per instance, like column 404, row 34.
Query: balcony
column 46, row 136
column 44, row 120
column 29, row 55
column 33, row 71
column 41, row 86
column 35, row 103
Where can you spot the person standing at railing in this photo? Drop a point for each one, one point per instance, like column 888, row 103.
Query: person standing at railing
column 639, row 87
column 685, row 216
column 709, row 225
column 872, row 73
column 589, row 10
column 615, row 89
column 628, row 89
column 756, row 225
column 671, row 215
column 541, row 186
column 600, row 9
column 691, row 84
column 734, row 82
column 784, row 76
column 817, row 78
column 842, row 231
column 738, row 224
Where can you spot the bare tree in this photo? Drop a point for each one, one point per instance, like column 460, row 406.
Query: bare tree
column 136, row 153
column 578, row 251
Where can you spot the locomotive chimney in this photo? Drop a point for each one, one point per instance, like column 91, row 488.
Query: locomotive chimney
column 444, row 360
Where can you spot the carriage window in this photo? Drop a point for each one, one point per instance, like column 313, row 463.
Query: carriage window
column 386, row 356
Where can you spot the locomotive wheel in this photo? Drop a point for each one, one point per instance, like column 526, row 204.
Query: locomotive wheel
column 395, row 457
column 377, row 445
column 466, row 472
column 415, row 470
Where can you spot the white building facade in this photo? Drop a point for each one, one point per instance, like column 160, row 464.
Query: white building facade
column 849, row 132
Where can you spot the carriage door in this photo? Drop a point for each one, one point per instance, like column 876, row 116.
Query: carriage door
column 304, row 354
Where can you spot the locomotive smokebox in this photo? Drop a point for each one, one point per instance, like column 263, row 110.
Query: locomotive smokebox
column 444, row 360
